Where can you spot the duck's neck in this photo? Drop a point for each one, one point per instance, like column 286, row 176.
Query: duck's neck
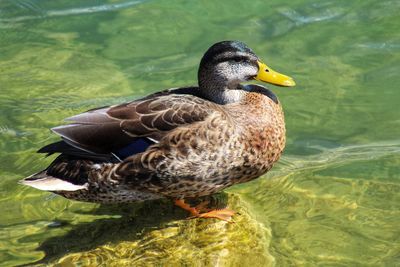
column 220, row 90
column 222, row 96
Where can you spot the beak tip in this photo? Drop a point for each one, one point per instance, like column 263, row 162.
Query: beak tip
column 289, row 83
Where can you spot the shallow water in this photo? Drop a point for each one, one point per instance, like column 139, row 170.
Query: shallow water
column 332, row 200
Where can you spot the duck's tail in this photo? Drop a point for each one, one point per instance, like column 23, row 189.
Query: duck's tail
column 43, row 181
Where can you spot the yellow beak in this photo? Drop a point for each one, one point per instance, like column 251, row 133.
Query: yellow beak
column 266, row 74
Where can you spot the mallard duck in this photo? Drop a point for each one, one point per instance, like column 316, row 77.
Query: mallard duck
column 178, row 143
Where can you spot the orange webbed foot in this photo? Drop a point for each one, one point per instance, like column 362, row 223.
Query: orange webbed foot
column 221, row 214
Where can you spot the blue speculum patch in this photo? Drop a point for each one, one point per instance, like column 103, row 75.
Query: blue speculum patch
column 133, row 148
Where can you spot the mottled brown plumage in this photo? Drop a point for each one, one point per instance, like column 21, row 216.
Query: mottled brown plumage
column 177, row 143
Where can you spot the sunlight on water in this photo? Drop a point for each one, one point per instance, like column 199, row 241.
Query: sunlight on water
column 332, row 200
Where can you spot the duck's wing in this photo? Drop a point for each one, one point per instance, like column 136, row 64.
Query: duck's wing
column 128, row 128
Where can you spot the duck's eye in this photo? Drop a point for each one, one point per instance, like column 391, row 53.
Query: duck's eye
column 239, row 59
column 266, row 70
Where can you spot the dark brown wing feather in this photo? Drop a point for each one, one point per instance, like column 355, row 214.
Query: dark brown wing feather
column 106, row 129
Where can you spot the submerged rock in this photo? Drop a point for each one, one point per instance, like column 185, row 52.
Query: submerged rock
column 157, row 234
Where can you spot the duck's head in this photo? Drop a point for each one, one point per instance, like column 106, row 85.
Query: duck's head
column 226, row 64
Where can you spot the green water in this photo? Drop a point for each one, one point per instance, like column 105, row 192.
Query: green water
column 333, row 199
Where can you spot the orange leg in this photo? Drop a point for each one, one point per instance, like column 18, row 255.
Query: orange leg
column 181, row 203
column 221, row 214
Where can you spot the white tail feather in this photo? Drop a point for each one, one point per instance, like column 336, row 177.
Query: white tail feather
column 53, row 184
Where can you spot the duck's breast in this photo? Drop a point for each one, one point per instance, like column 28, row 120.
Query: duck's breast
column 261, row 127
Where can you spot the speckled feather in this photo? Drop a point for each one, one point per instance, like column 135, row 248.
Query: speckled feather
column 202, row 142
column 227, row 148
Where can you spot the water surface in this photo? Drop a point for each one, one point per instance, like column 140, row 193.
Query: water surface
column 331, row 201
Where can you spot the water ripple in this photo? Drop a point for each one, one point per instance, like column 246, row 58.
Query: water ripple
column 387, row 46
column 67, row 12
column 300, row 19
column 337, row 156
